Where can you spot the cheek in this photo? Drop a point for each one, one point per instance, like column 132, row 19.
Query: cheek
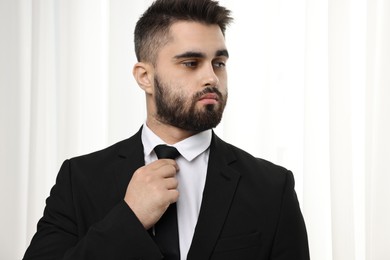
column 177, row 93
column 182, row 87
column 223, row 77
column 223, row 87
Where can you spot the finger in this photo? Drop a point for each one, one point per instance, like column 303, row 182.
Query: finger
column 163, row 169
column 163, row 162
column 171, row 183
column 167, row 171
column 173, row 196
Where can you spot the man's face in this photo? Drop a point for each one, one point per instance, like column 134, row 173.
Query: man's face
column 190, row 78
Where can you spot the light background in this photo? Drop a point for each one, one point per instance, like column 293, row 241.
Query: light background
column 309, row 88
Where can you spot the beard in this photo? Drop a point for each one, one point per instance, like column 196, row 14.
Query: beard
column 179, row 111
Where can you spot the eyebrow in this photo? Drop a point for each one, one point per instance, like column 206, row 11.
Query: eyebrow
column 194, row 54
column 222, row 53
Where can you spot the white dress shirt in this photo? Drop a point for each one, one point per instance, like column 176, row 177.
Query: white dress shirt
column 191, row 178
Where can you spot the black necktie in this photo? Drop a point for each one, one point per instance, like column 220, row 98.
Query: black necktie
column 166, row 230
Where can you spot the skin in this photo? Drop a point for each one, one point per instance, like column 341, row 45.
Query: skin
column 193, row 60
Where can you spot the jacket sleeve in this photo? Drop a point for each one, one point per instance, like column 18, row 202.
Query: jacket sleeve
column 119, row 235
column 291, row 240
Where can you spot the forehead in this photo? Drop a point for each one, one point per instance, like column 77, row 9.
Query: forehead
column 193, row 36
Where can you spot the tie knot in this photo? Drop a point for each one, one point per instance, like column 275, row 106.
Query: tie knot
column 166, row 152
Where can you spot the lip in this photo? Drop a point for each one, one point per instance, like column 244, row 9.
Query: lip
column 209, row 98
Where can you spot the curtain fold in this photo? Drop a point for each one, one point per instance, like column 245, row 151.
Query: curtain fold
column 377, row 130
column 316, row 170
column 308, row 81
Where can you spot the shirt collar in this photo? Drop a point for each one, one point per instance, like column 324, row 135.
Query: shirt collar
column 189, row 148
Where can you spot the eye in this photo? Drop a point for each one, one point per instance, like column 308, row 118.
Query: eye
column 190, row 64
column 219, row 64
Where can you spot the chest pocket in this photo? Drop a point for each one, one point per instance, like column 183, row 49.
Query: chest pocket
column 238, row 248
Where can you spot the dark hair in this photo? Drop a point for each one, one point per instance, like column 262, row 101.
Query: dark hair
column 152, row 29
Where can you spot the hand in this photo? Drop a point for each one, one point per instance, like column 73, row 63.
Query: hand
column 152, row 189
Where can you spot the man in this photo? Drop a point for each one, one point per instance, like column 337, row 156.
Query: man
column 229, row 205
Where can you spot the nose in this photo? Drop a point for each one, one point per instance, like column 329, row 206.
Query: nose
column 210, row 78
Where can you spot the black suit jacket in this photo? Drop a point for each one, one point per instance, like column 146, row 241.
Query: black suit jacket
column 249, row 210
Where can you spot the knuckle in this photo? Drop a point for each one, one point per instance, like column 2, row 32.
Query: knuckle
column 175, row 194
column 148, row 179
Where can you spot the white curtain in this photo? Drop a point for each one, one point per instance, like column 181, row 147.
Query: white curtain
column 309, row 84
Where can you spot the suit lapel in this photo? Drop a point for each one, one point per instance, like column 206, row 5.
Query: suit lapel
column 220, row 186
column 131, row 157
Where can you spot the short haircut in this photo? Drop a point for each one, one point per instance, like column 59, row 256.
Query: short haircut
column 152, row 29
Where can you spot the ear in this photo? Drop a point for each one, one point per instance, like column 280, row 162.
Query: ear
column 143, row 74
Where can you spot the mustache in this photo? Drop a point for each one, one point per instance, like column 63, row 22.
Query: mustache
column 208, row 90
